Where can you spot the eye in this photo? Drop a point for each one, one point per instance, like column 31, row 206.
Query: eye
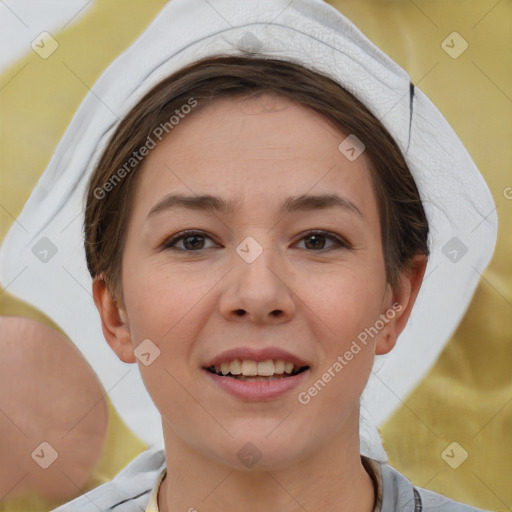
column 316, row 240
column 194, row 241
column 190, row 240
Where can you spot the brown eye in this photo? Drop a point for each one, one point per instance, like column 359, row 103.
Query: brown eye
column 188, row 241
column 316, row 240
column 193, row 242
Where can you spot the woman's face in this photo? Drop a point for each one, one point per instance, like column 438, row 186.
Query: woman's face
column 252, row 179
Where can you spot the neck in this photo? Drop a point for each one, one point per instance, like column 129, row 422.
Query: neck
column 332, row 478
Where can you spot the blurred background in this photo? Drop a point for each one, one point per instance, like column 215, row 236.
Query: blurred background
column 452, row 435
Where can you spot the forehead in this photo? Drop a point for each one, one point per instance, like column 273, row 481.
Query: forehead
column 253, row 152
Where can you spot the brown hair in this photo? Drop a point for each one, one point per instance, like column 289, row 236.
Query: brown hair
column 404, row 227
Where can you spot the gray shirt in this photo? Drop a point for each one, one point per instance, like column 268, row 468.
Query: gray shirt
column 132, row 489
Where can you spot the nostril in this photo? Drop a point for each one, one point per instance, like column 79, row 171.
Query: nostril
column 240, row 312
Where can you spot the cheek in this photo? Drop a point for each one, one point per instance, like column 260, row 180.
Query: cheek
column 161, row 300
column 349, row 300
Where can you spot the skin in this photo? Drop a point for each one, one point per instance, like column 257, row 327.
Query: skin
column 310, row 301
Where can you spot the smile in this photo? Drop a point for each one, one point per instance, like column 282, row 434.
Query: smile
column 250, row 370
column 256, row 374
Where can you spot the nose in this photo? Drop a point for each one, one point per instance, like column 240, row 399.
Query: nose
column 258, row 291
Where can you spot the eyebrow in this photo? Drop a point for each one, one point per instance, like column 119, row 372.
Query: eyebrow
column 208, row 202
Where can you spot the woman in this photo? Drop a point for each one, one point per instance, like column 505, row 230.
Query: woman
column 244, row 320
column 269, row 155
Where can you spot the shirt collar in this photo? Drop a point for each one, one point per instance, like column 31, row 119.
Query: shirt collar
column 153, row 499
column 372, row 466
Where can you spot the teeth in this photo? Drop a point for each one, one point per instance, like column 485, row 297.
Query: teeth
column 266, row 368
column 224, row 368
column 248, row 368
column 279, row 367
column 235, row 368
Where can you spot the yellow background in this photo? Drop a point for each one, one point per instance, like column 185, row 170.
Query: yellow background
column 467, row 396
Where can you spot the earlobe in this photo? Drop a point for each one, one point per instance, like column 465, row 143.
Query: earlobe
column 400, row 302
column 113, row 321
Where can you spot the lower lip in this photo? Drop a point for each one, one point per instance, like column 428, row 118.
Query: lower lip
column 255, row 391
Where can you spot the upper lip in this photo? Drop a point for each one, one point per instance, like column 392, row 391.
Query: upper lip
column 258, row 355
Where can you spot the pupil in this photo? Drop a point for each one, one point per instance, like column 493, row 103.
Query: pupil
column 193, row 245
column 317, row 238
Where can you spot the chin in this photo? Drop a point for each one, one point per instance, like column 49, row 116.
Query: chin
column 257, row 453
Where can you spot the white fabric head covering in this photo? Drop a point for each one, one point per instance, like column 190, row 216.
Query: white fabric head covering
column 42, row 259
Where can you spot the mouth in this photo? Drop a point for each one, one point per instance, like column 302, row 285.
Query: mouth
column 257, row 375
column 248, row 370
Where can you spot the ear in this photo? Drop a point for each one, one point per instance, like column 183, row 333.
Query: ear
column 113, row 321
column 398, row 303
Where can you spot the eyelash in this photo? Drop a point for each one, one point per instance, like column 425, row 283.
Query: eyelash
column 170, row 243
